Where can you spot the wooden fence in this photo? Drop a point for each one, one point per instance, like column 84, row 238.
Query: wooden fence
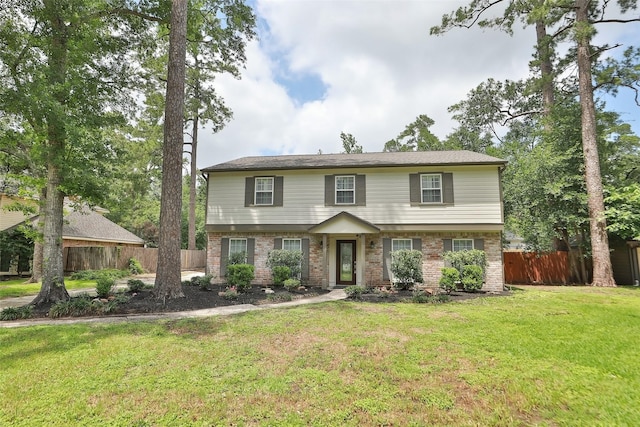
column 101, row 257
column 532, row 268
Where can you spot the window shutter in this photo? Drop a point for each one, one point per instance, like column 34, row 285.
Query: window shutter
column 329, row 190
column 249, row 190
column 224, row 256
column 361, row 190
column 414, row 188
column 447, row 188
column 251, row 245
column 278, row 193
column 448, row 245
column 304, row 274
column 478, row 244
column 416, row 244
column 277, row 243
column 386, row 258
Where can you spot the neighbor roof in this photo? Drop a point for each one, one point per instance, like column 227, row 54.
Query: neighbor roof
column 89, row 225
column 360, row 160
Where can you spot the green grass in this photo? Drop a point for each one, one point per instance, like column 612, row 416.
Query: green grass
column 566, row 356
column 18, row 287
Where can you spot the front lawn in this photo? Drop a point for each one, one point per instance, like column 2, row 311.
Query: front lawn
column 18, row 287
column 560, row 356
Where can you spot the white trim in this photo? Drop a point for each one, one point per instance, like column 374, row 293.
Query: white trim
column 395, row 240
column 453, row 243
column 344, row 190
column 255, row 193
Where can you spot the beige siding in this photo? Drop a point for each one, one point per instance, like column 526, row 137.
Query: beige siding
column 10, row 218
column 476, row 191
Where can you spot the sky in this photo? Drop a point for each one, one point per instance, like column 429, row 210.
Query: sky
column 365, row 67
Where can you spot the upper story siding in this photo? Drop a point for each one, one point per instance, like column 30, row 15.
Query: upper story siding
column 476, row 190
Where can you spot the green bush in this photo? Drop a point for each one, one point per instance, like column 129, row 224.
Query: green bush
column 237, row 258
column 406, row 267
column 135, row 285
column 78, row 306
column 280, row 274
column 202, row 282
column 135, row 267
column 450, row 278
column 104, row 285
column 286, row 258
column 458, row 259
column 230, row 294
column 14, row 313
column 97, row 274
column 355, row 291
column 291, row 284
column 240, row 276
column 472, row 278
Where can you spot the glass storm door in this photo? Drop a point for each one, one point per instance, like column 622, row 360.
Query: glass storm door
column 346, row 262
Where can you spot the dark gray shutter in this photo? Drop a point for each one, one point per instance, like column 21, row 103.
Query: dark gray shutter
column 386, row 258
column 361, row 190
column 304, row 274
column 414, row 188
column 277, row 243
column 478, row 244
column 278, row 187
column 251, row 245
column 249, row 190
column 416, row 244
column 329, row 190
column 224, row 256
column 447, row 188
column 448, row 245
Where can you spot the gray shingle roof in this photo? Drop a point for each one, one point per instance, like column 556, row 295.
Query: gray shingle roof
column 361, row 160
column 93, row 226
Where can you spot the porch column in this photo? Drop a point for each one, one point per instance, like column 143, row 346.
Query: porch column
column 325, row 263
column 362, row 260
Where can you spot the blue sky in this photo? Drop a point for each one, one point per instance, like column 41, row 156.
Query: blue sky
column 366, row 67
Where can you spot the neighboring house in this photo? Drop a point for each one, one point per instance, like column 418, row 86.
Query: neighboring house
column 625, row 260
column 347, row 212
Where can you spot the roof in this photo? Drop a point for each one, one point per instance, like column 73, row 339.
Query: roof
column 360, row 160
column 89, row 225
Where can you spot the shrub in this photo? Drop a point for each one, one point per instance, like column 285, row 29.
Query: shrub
column 135, row 285
column 355, row 291
column 285, row 258
column 420, row 297
column 291, row 284
column 450, row 278
column 458, row 259
column 78, row 306
column 382, row 292
column 97, row 274
column 202, row 282
column 406, row 267
column 240, row 276
column 472, row 277
column 14, row 313
column 237, row 258
column 280, row 274
column 135, row 267
column 104, row 285
column 230, row 294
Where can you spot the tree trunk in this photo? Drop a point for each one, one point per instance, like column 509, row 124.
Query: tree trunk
column 168, row 285
column 36, row 267
column 192, row 184
column 53, row 288
column 602, row 270
column 545, row 51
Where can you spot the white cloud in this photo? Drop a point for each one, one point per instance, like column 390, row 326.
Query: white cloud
column 379, row 66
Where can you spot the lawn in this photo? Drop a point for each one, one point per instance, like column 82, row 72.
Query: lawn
column 562, row 356
column 18, row 287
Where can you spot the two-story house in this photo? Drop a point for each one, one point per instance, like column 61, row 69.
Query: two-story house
column 348, row 212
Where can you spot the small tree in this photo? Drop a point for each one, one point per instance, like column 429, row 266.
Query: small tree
column 449, row 279
column 285, row 258
column 406, row 267
column 240, row 276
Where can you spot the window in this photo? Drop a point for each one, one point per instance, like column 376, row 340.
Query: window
column 401, row 244
column 345, row 190
column 264, row 191
column 237, row 246
column 292, row 244
column 431, row 188
column 462, row 244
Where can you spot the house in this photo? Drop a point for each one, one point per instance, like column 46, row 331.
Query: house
column 347, row 212
column 625, row 260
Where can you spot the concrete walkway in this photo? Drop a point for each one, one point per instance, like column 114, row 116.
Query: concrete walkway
column 334, row 295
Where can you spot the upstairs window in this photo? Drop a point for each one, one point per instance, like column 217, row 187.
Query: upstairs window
column 345, row 190
column 431, row 188
column 264, row 191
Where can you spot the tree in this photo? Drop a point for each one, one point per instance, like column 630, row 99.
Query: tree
column 168, row 283
column 350, row 144
column 568, row 17
column 416, row 136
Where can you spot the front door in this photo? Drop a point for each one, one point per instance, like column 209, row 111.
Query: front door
column 346, row 262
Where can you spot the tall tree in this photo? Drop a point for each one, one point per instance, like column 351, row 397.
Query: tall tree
column 350, row 144
column 569, row 17
column 416, row 136
column 168, row 283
